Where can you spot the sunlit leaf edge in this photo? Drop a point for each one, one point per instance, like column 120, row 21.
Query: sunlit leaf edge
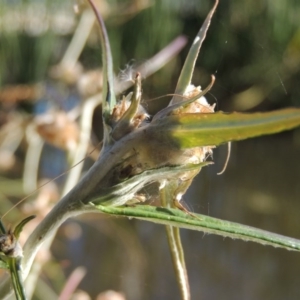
column 192, row 130
column 206, row 224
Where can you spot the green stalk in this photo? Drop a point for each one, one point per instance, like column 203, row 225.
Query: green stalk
column 14, row 268
column 174, row 240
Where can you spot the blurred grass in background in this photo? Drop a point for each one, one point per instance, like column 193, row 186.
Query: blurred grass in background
column 254, row 48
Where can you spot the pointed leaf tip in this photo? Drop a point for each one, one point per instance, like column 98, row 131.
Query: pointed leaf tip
column 194, row 130
column 20, row 226
column 178, row 218
column 107, row 65
column 188, row 68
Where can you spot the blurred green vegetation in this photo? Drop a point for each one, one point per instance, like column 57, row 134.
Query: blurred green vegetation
column 252, row 47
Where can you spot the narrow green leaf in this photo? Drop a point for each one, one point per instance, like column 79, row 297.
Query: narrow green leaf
column 20, row 226
column 192, row 130
column 188, row 68
column 107, row 66
column 178, row 218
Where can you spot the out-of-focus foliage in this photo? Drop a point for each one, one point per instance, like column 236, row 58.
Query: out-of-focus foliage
column 32, row 34
column 253, row 48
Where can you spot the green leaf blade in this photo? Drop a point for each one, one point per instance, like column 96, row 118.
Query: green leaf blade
column 107, row 65
column 194, row 130
column 175, row 217
column 20, row 226
column 188, row 68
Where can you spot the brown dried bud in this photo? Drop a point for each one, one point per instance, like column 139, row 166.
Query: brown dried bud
column 9, row 245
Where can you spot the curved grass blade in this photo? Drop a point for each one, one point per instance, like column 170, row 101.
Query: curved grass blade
column 175, row 217
column 193, row 130
column 188, row 68
column 107, row 66
column 20, row 226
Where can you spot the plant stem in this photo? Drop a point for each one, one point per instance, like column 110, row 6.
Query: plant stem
column 16, row 279
column 174, row 240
